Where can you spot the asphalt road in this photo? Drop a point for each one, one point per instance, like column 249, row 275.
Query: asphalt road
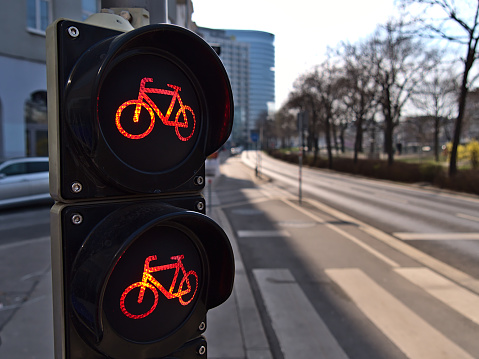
column 24, row 293
column 338, row 284
column 440, row 223
column 330, row 278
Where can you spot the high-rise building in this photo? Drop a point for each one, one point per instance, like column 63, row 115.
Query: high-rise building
column 235, row 57
column 248, row 56
column 261, row 72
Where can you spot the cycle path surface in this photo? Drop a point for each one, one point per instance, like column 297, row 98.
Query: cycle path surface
column 234, row 329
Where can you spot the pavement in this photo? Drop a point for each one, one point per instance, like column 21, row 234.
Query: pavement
column 235, row 330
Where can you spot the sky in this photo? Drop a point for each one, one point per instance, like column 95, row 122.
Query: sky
column 303, row 29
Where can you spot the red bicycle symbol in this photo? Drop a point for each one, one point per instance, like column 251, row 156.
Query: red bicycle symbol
column 149, row 282
column 145, row 101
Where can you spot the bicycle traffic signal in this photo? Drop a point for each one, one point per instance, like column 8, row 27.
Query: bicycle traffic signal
column 132, row 117
column 167, row 93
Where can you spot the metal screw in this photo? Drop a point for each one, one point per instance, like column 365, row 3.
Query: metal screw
column 202, row 350
column 77, row 218
column 199, row 180
column 77, row 187
column 73, row 31
column 200, row 206
column 202, row 326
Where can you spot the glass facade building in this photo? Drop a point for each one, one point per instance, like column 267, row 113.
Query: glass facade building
column 248, row 56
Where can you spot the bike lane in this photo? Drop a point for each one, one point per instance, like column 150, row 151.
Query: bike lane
column 328, row 288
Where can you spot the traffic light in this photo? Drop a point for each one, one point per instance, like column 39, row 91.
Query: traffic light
column 132, row 117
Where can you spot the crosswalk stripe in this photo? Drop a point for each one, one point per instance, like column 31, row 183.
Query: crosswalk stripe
column 467, row 216
column 458, row 298
column 408, row 236
column 265, row 233
column 300, row 331
column 456, row 275
column 409, row 332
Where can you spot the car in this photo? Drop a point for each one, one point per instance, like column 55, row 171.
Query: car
column 237, row 150
column 24, row 181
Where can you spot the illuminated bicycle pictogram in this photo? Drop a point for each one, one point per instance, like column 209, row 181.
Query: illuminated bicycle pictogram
column 145, row 101
column 149, row 282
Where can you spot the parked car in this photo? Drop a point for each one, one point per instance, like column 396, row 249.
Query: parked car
column 24, row 181
column 237, row 150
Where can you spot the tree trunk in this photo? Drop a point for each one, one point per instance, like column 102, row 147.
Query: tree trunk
column 388, row 140
column 359, row 138
column 460, row 115
column 436, row 138
column 327, row 130
column 335, row 137
column 388, row 125
column 341, row 139
column 316, row 149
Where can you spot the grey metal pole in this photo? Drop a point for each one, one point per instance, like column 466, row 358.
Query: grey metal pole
column 300, row 159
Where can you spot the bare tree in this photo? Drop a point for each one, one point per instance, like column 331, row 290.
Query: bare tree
column 285, row 125
column 460, row 25
column 400, row 63
column 317, row 93
column 435, row 97
column 360, row 91
column 304, row 98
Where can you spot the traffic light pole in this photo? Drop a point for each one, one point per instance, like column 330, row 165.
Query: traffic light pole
column 300, row 156
column 133, row 113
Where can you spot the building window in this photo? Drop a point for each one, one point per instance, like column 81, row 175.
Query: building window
column 36, row 124
column 38, row 15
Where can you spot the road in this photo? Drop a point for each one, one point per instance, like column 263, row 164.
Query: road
column 443, row 224
column 26, row 323
column 336, row 276
column 359, row 269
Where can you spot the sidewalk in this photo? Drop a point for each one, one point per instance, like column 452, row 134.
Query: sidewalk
column 29, row 332
column 234, row 329
column 241, row 335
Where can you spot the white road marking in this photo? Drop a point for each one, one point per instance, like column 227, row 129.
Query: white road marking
column 458, row 298
column 466, row 216
column 265, row 233
column 23, row 243
column 427, row 260
column 390, row 198
column 300, row 331
column 407, row 236
column 409, row 332
column 345, row 234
